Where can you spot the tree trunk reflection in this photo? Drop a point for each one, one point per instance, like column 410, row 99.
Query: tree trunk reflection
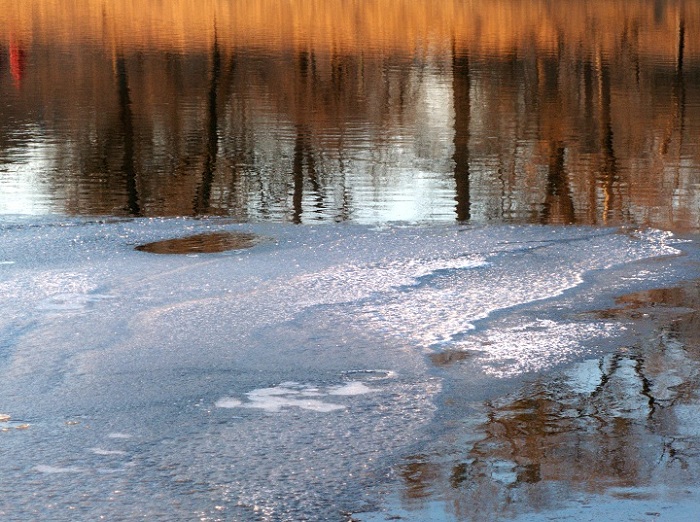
column 127, row 131
column 462, row 110
column 201, row 203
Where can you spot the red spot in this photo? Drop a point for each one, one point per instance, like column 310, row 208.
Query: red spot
column 18, row 62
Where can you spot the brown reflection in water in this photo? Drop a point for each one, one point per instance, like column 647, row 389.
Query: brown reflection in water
column 203, row 196
column 461, row 84
column 202, row 243
column 127, row 131
column 560, row 112
column 349, row 26
column 621, row 425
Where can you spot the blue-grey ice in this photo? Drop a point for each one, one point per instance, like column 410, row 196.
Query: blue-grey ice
column 243, row 385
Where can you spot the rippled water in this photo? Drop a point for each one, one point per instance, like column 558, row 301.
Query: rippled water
column 577, row 111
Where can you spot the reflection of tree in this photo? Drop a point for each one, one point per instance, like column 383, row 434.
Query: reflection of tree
column 18, row 62
column 303, row 153
column 201, row 202
column 546, row 120
column 678, row 93
column 419, row 474
column 303, row 149
column 126, row 119
column 558, row 205
column 620, row 423
column 608, row 173
column 462, row 107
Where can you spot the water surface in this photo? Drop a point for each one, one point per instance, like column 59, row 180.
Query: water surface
column 583, row 111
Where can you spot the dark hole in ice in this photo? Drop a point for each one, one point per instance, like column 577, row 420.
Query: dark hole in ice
column 202, row 243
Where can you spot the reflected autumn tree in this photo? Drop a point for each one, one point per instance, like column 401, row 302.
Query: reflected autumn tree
column 550, row 113
column 462, row 120
column 127, row 133
column 608, row 170
column 202, row 199
column 558, row 205
column 303, row 148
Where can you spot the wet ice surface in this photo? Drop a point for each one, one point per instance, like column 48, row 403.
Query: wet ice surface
column 280, row 382
column 613, row 437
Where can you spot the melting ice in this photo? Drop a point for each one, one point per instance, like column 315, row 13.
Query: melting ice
column 247, row 381
column 295, row 395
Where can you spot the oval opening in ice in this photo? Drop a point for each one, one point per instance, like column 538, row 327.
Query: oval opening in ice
column 202, row 243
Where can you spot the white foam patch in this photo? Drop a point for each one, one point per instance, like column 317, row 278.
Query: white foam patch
column 228, row 402
column 106, row 452
column 277, row 403
column 351, row 388
column 289, row 395
column 263, row 393
column 313, row 392
column 7, row 262
column 296, row 395
column 371, row 375
column 56, row 469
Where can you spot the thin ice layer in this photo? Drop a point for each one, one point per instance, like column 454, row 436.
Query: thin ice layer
column 163, row 356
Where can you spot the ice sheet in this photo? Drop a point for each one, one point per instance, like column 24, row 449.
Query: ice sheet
column 249, row 378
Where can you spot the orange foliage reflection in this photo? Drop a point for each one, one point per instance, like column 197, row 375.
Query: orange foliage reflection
column 494, row 27
column 537, row 111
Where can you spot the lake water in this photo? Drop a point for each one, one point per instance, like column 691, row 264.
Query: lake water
column 569, row 112
column 349, row 260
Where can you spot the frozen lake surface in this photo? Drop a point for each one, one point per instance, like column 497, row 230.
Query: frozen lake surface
column 283, row 381
column 349, row 260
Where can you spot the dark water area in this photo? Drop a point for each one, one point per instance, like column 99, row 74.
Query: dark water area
column 579, row 111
